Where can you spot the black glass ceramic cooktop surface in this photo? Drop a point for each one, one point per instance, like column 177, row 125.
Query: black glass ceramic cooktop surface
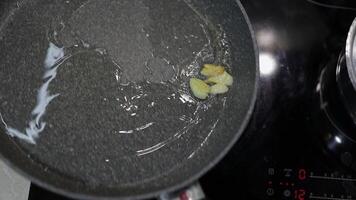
column 281, row 155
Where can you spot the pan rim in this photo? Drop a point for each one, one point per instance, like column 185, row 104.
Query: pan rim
column 178, row 186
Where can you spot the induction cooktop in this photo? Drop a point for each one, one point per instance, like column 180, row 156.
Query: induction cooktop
column 283, row 153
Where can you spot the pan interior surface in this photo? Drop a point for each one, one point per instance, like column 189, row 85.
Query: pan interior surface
column 95, row 97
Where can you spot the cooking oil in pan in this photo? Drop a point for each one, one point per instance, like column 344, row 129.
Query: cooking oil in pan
column 113, row 83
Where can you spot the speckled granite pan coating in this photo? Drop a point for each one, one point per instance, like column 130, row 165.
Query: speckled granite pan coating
column 80, row 153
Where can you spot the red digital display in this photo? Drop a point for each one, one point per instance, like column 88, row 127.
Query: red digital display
column 302, row 174
column 299, row 194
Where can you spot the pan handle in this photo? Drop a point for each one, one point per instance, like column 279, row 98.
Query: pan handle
column 193, row 192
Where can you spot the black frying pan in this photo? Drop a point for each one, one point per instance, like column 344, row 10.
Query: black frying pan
column 94, row 95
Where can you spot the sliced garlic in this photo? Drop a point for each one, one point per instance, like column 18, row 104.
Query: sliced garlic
column 225, row 79
column 218, row 89
column 199, row 88
column 212, row 70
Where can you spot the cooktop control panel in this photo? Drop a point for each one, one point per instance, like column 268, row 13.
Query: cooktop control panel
column 303, row 183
